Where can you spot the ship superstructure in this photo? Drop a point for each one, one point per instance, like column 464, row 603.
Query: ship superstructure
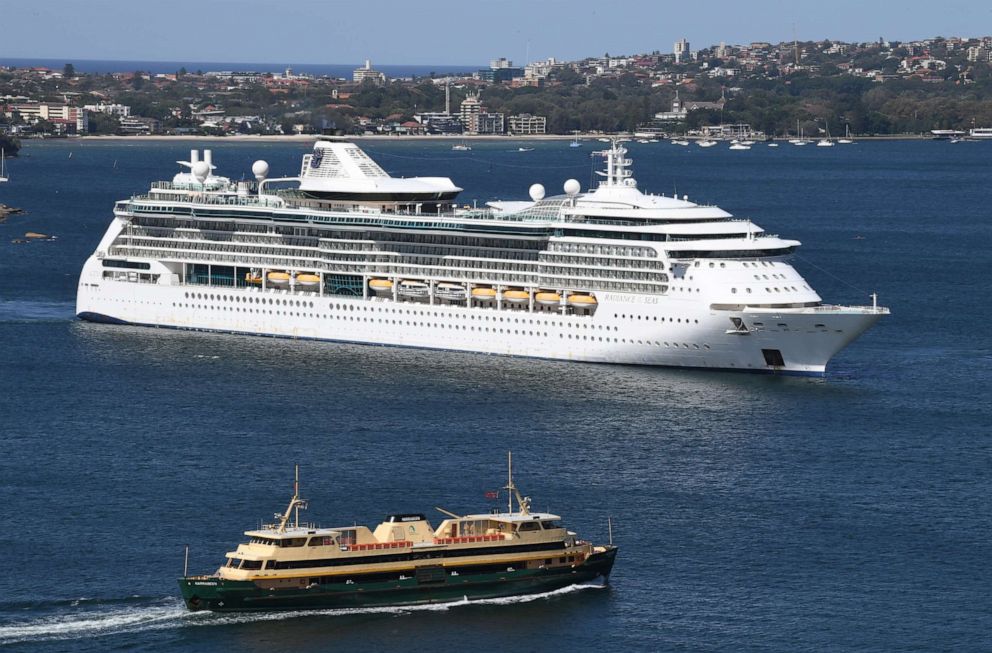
column 348, row 253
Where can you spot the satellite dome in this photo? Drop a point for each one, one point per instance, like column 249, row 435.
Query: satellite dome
column 201, row 170
column 537, row 192
column 572, row 187
column 260, row 169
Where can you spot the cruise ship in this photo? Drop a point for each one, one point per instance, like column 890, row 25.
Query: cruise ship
column 344, row 252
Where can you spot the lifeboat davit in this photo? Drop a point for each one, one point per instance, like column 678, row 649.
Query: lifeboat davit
column 547, row 298
column 516, row 296
column 451, row 291
column 485, row 294
column 381, row 285
column 307, row 279
column 585, row 301
column 414, row 289
column 278, row 278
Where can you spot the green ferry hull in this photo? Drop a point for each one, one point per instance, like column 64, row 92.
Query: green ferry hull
column 217, row 595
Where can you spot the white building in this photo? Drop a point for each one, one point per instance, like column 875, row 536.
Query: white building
column 682, row 53
column 366, row 72
column 119, row 110
column 526, row 124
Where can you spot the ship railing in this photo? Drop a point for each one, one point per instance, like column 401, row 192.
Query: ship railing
column 838, row 308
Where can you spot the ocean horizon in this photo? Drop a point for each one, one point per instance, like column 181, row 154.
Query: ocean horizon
column 105, row 66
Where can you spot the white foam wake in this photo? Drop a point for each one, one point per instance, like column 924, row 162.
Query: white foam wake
column 170, row 613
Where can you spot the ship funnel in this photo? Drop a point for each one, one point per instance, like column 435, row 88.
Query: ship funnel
column 208, row 158
column 194, row 157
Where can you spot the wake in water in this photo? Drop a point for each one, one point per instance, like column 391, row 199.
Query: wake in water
column 95, row 618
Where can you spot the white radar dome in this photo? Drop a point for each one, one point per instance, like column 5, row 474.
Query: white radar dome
column 201, row 170
column 260, row 169
column 537, row 192
column 572, row 187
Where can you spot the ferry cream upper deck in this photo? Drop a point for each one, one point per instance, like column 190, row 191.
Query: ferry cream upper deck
column 351, row 254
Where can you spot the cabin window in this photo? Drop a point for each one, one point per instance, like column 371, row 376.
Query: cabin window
column 321, row 540
column 251, row 564
column 347, row 537
column 233, row 563
column 528, row 526
column 293, row 541
column 470, row 528
column 548, row 525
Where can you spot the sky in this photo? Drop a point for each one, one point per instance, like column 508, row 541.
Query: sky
column 448, row 31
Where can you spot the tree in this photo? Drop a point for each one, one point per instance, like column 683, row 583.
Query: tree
column 68, row 71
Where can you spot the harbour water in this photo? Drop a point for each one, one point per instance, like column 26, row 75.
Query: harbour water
column 753, row 512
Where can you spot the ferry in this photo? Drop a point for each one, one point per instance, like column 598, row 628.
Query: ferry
column 342, row 251
column 291, row 565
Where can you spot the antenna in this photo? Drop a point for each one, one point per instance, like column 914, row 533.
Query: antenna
column 296, row 493
column 609, row 525
column 509, row 481
column 186, row 563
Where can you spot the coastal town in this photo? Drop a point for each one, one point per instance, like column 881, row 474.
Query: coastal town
column 875, row 88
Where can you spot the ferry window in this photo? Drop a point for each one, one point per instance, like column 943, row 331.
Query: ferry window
column 293, row 541
column 251, row 564
column 347, row 537
column 528, row 526
column 550, row 524
column 233, row 562
column 321, row 540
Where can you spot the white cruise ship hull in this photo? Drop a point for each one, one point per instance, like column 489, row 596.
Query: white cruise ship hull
column 625, row 329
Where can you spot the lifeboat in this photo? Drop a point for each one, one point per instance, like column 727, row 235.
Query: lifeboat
column 584, row 301
column 307, row 279
column 547, row 298
column 278, row 278
column 516, row 296
column 253, row 279
column 413, row 289
column 381, row 285
column 484, row 294
column 451, row 291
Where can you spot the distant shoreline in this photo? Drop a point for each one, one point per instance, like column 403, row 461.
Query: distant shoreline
column 277, row 138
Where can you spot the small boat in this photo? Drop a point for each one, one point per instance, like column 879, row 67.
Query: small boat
column 306, row 279
column 413, row 289
column 525, row 149
column 278, row 278
column 824, row 142
column 603, row 140
column 582, row 300
column 548, row 298
column 451, row 291
column 484, row 294
column 748, row 142
column 847, row 140
column 645, row 140
column 3, row 167
column 706, row 143
column 740, row 146
column 516, row 296
column 461, row 147
column 292, row 565
column 381, row 285
column 773, row 145
column 575, row 142
column 681, row 142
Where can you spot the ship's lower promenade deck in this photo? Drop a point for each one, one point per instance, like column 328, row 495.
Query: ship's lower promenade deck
column 627, row 329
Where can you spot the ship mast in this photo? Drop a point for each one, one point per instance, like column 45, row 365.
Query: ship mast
column 523, row 503
column 294, row 506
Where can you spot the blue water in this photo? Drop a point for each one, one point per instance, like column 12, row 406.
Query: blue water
column 106, row 66
column 849, row 513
